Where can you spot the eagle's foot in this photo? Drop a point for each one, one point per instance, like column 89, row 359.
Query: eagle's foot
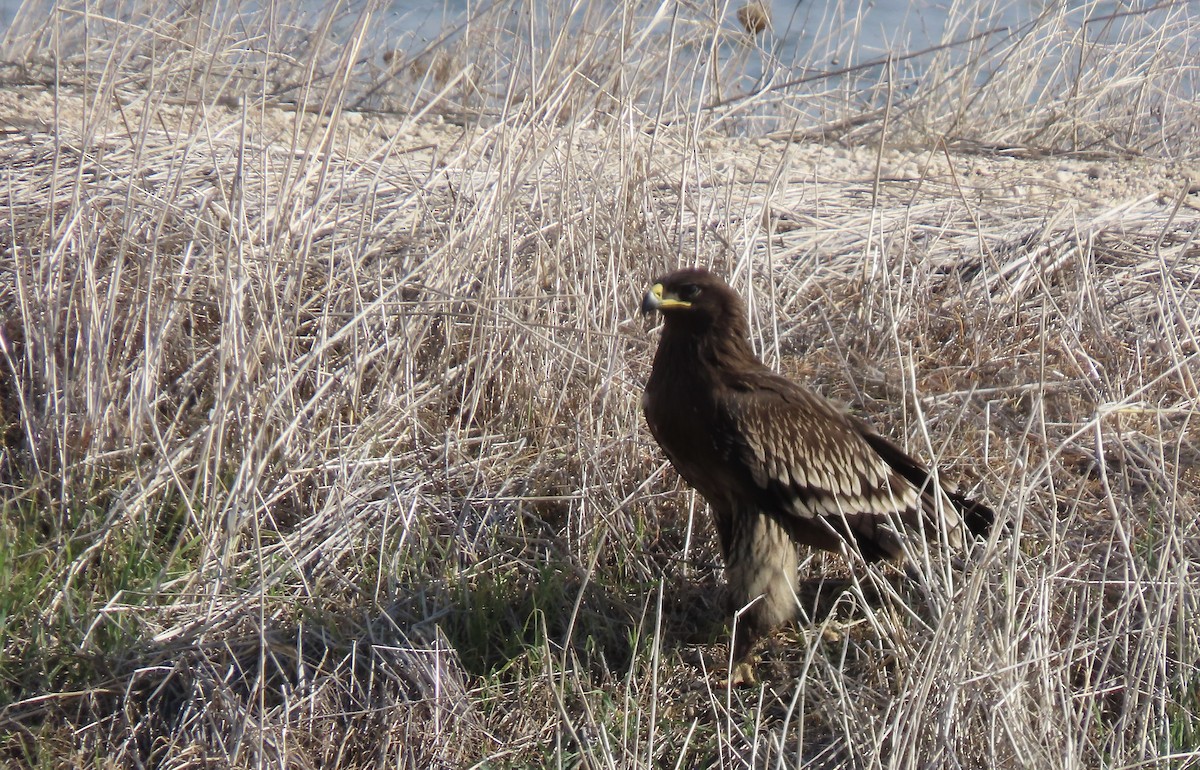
column 742, row 674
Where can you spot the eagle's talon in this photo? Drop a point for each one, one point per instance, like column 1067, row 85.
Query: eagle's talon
column 741, row 675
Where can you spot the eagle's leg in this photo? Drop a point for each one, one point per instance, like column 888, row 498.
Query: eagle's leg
column 760, row 567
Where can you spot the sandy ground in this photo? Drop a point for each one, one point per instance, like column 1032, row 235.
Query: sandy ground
column 812, row 169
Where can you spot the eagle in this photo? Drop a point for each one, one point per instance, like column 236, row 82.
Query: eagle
column 779, row 465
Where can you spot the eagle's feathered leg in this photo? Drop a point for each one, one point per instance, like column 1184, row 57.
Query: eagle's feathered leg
column 760, row 567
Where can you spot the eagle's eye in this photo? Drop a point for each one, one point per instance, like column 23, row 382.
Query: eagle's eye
column 688, row 292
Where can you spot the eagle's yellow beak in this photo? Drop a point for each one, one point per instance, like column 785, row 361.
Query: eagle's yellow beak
column 655, row 299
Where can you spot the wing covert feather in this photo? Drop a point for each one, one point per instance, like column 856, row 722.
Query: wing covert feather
column 808, row 456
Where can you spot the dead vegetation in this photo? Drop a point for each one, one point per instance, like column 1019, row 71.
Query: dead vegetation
column 319, row 385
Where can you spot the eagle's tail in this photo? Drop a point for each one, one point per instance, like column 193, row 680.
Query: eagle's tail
column 977, row 516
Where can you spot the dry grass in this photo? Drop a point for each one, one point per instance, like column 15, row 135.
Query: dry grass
column 321, row 436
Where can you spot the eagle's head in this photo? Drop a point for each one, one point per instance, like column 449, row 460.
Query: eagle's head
column 697, row 299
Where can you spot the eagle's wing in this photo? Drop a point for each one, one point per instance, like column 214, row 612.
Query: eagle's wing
column 808, row 458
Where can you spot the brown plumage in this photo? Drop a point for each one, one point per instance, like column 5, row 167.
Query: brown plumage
column 778, row 464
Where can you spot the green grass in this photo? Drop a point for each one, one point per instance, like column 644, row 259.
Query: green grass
column 74, row 587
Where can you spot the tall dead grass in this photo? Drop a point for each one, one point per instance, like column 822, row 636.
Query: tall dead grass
column 320, row 380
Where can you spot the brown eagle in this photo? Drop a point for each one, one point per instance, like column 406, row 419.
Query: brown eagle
column 778, row 464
